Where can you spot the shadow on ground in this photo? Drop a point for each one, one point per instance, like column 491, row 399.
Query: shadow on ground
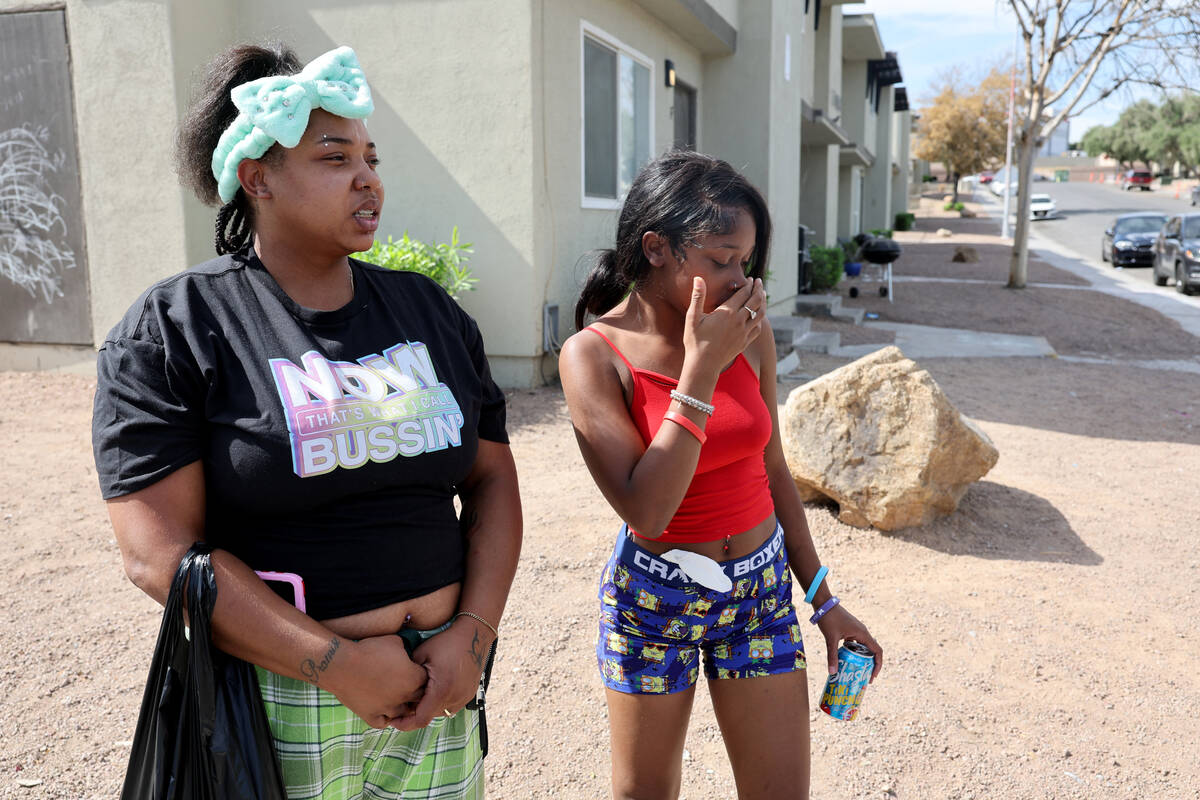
column 999, row 522
column 1094, row 400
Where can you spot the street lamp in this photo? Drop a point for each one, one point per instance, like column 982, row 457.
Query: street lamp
column 1005, row 229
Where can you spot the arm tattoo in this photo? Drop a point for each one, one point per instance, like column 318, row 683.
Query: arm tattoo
column 312, row 669
column 476, row 654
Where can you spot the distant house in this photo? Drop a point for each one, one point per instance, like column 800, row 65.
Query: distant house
column 522, row 122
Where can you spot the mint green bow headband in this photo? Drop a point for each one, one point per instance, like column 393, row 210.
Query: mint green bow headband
column 276, row 109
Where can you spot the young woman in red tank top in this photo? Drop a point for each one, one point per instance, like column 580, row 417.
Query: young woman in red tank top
column 672, row 394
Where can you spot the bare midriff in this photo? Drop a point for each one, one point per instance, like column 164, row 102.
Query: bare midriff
column 739, row 544
column 420, row 613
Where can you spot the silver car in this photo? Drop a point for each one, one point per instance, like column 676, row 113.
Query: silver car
column 1177, row 253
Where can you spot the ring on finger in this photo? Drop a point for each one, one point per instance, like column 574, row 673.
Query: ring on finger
column 447, row 712
column 753, row 314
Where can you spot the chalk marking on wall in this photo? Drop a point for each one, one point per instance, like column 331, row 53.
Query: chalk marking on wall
column 31, row 255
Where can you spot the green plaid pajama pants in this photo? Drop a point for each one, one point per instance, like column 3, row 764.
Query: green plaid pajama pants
column 327, row 753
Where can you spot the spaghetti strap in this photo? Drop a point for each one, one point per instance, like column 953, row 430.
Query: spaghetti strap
column 632, row 371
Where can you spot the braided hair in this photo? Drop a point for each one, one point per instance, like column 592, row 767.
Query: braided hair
column 211, row 112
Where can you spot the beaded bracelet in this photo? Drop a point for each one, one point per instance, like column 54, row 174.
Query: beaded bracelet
column 687, row 425
column 688, row 400
column 823, row 610
column 816, row 583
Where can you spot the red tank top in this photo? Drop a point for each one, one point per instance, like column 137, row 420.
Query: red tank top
column 729, row 493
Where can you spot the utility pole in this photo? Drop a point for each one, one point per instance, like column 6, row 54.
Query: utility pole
column 1005, row 229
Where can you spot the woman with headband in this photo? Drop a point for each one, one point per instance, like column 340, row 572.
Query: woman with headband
column 314, row 418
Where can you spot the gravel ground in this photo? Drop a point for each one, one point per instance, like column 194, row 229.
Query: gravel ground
column 1041, row 640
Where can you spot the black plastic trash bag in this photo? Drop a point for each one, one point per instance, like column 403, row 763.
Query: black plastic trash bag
column 202, row 733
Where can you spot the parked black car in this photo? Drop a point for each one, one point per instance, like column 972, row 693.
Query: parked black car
column 1177, row 253
column 1129, row 241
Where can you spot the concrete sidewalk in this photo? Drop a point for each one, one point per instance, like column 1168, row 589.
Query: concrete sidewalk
column 962, row 341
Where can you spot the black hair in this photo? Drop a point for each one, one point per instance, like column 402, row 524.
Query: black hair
column 211, row 112
column 679, row 195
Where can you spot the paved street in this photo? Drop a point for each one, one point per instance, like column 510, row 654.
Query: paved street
column 1086, row 209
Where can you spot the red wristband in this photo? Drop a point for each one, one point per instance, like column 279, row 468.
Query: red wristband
column 687, row 425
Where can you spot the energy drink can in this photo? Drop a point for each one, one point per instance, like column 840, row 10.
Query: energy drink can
column 843, row 691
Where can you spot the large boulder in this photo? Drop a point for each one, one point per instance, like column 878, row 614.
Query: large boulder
column 881, row 439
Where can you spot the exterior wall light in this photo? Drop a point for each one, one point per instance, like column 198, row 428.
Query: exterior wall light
column 670, row 72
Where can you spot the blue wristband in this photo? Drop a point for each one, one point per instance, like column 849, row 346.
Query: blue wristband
column 823, row 610
column 816, row 583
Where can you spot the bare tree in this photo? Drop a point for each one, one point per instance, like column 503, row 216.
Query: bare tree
column 1079, row 52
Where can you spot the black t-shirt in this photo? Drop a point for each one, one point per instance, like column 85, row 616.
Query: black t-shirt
column 333, row 442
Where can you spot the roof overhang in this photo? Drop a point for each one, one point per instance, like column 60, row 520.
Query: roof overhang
column 855, row 155
column 860, row 38
column 818, row 130
column 825, row 3
column 697, row 22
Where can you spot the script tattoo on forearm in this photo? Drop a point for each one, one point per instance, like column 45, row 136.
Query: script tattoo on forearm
column 312, row 669
column 476, row 654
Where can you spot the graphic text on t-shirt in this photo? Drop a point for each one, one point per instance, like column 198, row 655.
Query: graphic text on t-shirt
column 346, row 413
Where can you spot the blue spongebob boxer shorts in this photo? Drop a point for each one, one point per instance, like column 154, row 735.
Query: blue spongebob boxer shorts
column 655, row 622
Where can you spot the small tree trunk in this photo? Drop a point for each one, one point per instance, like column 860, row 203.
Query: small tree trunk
column 1018, row 270
column 954, row 187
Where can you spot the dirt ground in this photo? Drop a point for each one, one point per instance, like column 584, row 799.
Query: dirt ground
column 1040, row 641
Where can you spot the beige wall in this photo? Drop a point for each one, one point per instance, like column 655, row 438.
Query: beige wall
column 819, row 192
column 198, row 31
column 728, row 9
column 819, row 178
column 850, row 185
column 479, row 126
column 453, row 111
column 752, row 120
column 858, row 112
column 828, row 79
column 902, row 160
column 567, row 233
column 877, row 196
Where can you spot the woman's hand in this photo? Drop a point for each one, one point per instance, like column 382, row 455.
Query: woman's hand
column 718, row 336
column 454, row 660
column 839, row 624
column 376, row 680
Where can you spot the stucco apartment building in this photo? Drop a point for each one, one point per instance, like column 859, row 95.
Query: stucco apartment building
column 521, row 122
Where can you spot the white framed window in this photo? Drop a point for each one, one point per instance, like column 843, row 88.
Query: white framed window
column 617, row 116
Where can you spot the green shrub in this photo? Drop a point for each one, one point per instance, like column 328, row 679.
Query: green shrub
column 928, row 179
column 958, row 206
column 443, row 262
column 827, row 266
column 904, row 221
column 886, row 233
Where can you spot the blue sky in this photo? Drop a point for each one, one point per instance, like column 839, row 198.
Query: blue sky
column 930, row 36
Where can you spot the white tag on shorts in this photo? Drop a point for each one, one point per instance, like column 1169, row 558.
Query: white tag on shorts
column 700, row 569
